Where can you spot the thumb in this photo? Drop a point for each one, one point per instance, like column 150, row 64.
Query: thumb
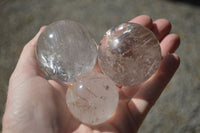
column 27, row 65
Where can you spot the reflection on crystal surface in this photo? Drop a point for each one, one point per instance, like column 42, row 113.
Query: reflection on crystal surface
column 129, row 54
column 93, row 98
column 65, row 50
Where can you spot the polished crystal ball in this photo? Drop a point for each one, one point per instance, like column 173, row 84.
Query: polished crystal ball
column 65, row 50
column 129, row 54
column 92, row 98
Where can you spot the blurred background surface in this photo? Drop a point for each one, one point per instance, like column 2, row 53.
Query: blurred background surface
column 178, row 108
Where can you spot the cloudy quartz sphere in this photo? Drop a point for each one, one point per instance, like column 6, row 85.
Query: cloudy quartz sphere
column 92, row 98
column 65, row 50
column 129, row 54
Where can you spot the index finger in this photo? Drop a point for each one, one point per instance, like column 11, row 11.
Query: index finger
column 143, row 20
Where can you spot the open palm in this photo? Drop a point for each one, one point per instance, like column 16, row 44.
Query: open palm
column 37, row 105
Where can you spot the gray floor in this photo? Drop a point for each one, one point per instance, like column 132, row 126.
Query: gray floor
column 177, row 110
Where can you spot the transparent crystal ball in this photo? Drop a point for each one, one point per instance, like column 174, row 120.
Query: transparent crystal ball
column 92, row 98
column 65, row 50
column 129, row 54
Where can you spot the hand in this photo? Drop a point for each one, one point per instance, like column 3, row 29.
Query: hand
column 37, row 105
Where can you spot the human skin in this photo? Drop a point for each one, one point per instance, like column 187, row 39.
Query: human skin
column 37, row 105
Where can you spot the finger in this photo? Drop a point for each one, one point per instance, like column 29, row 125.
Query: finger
column 27, row 64
column 143, row 20
column 152, row 88
column 169, row 44
column 161, row 28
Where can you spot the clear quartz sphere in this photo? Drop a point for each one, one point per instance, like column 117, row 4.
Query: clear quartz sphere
column 65, row 50
column 129, row 54
column 92, row 98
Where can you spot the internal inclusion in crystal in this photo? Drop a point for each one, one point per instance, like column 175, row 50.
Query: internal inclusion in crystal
column 129, row 54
